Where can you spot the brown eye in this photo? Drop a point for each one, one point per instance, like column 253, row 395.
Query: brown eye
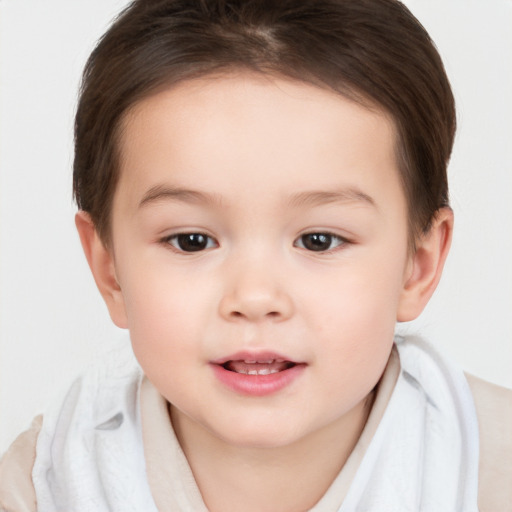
column 319, row 242
column 191, row 242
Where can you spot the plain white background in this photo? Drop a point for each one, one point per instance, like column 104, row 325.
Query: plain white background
column 52, row 319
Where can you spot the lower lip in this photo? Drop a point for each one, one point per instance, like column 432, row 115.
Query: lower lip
column 257, row 385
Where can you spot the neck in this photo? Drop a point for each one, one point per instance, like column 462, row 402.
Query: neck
column 282, row 479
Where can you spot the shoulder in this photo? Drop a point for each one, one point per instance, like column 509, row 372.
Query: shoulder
column 16, row 489
column 494, row 412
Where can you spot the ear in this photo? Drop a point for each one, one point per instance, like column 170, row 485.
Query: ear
column 426, row 266
column 101, row 263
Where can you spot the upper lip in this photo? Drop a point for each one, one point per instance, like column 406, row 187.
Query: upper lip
column 254, row 357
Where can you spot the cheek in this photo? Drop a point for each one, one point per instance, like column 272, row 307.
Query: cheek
column 357, row 321
column 165, row 312
column 362, row 295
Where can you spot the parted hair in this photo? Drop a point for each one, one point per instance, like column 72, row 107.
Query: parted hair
column 374, row 52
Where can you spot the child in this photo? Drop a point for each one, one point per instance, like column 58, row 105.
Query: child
column 262, row 194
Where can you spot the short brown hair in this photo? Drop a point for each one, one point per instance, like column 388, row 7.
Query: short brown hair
column 372, row 51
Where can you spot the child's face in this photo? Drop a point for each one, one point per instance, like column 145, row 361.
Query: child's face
column 259, row 219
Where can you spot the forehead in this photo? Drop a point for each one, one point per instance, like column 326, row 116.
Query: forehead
column 254, row 133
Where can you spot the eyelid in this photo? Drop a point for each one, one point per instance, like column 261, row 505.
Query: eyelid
column 166, row 240
column 342, row 240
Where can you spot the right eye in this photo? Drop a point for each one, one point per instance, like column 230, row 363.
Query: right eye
column 190, row 242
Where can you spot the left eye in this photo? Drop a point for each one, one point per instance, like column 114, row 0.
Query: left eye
column 319, row 242
column 191, row 242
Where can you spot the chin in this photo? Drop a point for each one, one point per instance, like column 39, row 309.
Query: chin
column 260, row 435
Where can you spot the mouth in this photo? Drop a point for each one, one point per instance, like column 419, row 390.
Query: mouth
column 258, row 366
column 257, row 374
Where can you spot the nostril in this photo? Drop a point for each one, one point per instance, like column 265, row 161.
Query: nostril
column 255, row 306
column 270, row 314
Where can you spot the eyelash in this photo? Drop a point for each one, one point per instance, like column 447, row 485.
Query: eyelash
column 177, row 240
column 340, row 241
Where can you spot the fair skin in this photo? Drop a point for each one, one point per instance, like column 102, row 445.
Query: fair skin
column 297, row 246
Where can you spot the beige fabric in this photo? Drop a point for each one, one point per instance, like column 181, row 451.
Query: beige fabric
column 169, row 475
column 16, row 490
column 494, row 411
column 174, row 488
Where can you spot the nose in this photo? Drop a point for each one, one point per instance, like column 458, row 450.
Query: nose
column 255, row 293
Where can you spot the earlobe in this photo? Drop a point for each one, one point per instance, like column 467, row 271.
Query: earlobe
column 426, row 266
column 101, row 263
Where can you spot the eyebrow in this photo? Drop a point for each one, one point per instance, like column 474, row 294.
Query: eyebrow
column 321, row 197
column 160, row 193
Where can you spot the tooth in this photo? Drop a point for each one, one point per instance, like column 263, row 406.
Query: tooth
column 268, row 361
column 264, row 371
column 252, row 372
column 242, row 371
column 249, row 361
